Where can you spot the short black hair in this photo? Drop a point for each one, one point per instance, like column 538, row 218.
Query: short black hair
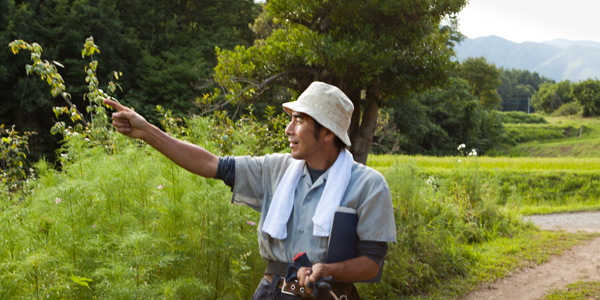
column 338, row 142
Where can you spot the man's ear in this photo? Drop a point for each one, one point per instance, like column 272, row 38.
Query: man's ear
column 328, row 135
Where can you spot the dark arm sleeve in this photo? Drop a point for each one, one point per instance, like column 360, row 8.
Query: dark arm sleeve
column 373, row 250
column 226, row 170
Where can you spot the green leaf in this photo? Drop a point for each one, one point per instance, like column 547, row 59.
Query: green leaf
column 81, row 280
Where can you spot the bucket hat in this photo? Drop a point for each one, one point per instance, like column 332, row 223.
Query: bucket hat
column 327, row 105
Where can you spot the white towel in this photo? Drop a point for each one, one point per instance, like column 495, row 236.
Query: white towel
column 282, row 203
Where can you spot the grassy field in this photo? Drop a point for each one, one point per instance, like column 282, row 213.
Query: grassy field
column 529, row 185
column 574, row 137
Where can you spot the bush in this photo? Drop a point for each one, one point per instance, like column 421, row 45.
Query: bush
column 437, row 218
column 569, row 109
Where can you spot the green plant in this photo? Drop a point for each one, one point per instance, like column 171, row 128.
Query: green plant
column 13, row 158
column 578, row 290
column 568, row 109
column 95, row 129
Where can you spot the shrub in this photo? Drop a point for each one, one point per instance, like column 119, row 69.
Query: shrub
column 13, row 161
column 568, row 109
column 437, row 218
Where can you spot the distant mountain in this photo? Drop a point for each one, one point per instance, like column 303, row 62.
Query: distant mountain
column 558, row 59
column 568, row 43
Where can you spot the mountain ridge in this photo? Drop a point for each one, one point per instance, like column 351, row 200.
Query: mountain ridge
column 558, row 59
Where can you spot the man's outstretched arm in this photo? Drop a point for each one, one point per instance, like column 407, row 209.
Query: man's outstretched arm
column 189, row 156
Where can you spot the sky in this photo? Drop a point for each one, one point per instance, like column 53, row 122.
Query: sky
column 532, row 20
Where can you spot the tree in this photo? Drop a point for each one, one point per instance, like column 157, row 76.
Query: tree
column 564, row 91
column 552, row 95
column 587, row 94
column 518, row 86
column 435, row 122
column 484, row 79
column 372, row 50
column 162, row 47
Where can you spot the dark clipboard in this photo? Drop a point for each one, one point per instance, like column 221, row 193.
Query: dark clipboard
column 343, row 239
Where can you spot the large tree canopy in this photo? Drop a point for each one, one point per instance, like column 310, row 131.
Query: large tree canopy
column 372, row 50
column 161, row 47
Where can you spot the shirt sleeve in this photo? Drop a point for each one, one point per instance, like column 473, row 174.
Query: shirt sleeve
column 226, row 170
column 375, row 211
column 257, row 177
column 373, row 250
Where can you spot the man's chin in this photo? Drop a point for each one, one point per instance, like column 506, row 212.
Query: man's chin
column 296, row 155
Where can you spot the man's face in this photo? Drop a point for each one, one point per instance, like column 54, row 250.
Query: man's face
column 303, row 140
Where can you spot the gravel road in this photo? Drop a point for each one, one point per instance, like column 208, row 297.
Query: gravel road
column 579, row 263
column 581, row 221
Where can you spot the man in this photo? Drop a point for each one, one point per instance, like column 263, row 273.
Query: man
column 296, row 193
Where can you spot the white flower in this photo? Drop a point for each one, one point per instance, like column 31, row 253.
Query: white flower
column 461, row 146
column 459, row 160
column 473, row 152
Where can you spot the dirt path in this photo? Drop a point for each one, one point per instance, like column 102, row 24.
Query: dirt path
column 580, row 263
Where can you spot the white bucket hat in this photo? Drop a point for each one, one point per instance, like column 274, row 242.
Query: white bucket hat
column 327, row 105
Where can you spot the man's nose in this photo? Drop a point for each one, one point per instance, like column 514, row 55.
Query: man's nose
column 289, row 128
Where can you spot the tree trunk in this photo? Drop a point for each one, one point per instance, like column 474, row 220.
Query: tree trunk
column 363, row 137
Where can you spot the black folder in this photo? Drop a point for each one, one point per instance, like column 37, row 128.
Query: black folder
column 343, row 239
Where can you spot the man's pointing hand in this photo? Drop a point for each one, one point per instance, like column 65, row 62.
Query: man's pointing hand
column 126, row 121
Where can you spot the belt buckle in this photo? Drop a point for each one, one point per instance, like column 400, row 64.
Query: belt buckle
column 292, row 286
column 294, row 289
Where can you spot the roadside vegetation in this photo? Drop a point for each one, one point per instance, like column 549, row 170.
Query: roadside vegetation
column 581, row 290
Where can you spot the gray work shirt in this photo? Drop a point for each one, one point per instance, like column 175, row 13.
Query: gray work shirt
column 256, row 179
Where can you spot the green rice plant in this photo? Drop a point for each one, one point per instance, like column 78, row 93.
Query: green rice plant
column 520, row 183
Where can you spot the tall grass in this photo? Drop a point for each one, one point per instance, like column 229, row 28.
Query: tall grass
column 135, row 224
